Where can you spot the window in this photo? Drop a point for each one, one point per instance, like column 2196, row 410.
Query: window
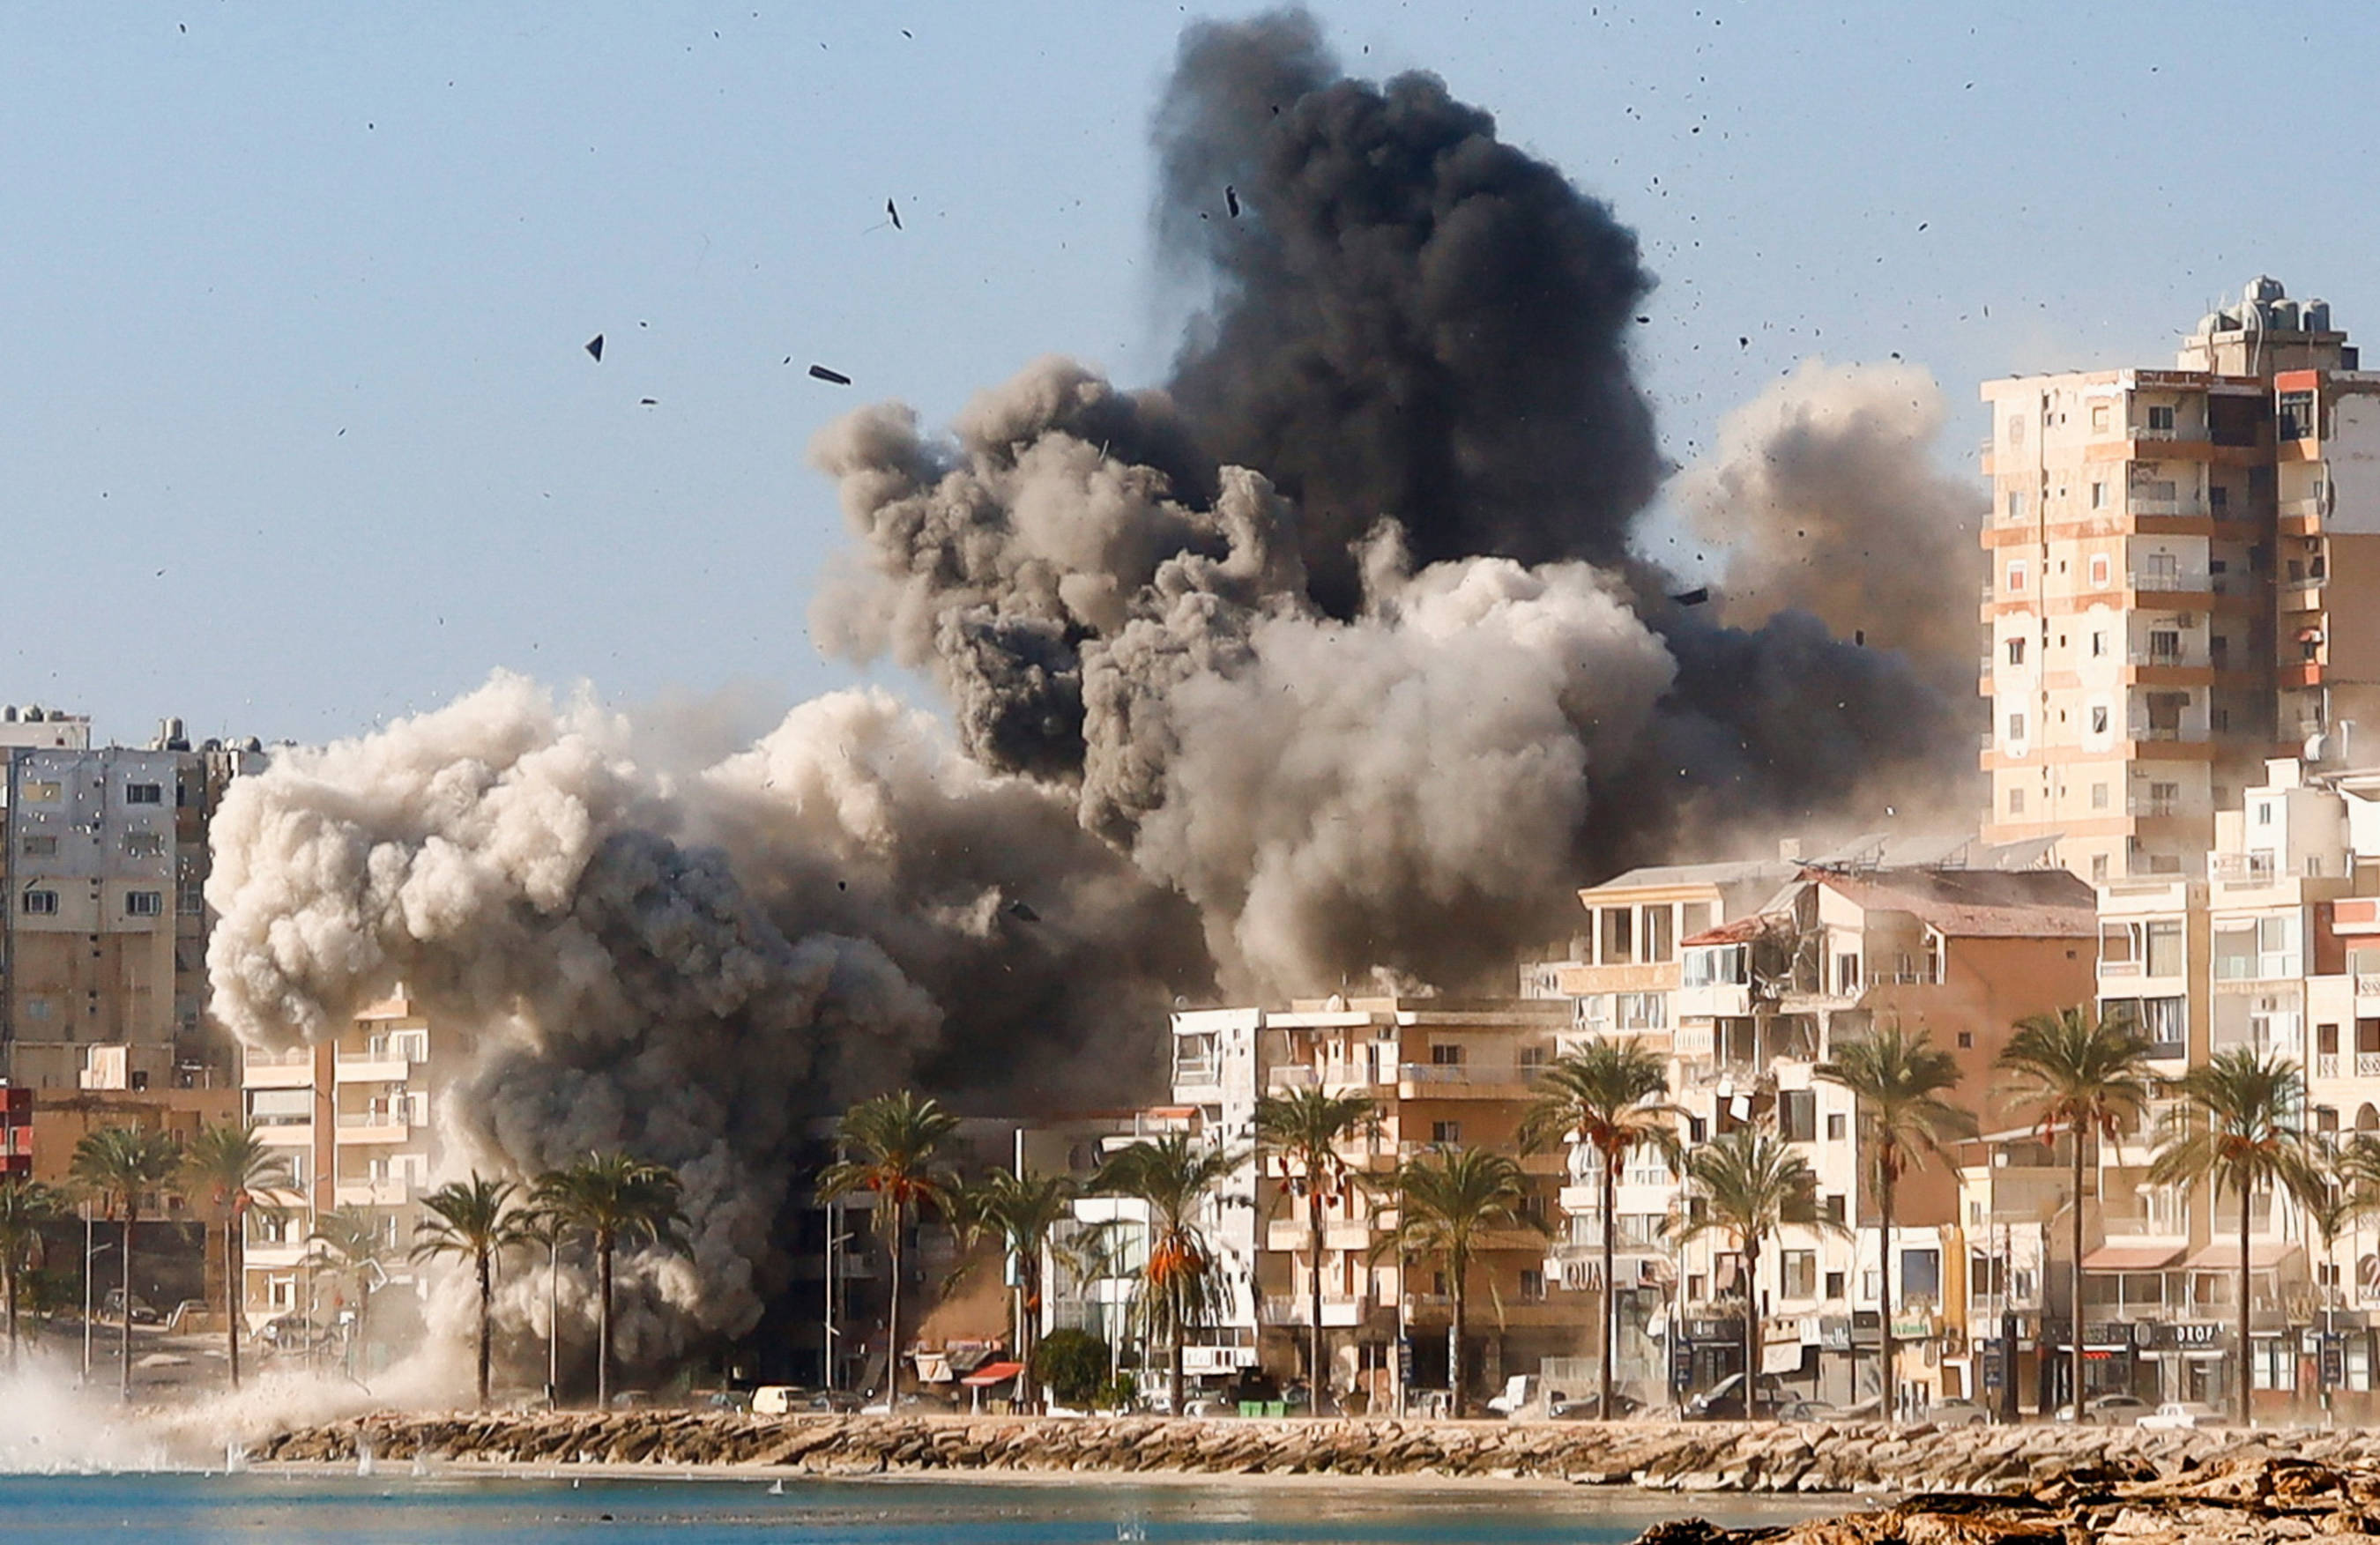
column 1847, row 975
column 2016, row 428
column 1533, row 1285
column 1695, row 917
column 2016, row 652
column 2016, row 801
column 1618, row 940
column 2098, row 644
column 2098, row 791
column 2294, row 416
column 2264, row 812
column 144, row 793
column 1801, row 1273
column 40, row 847
column 1446, row 1131
column 2161, row 420
column 2163, row 953
column 40, row 904
column 2015, row 505
column 1446, row 1055
column 1837, row 1124
column 2099, row 726
column 2103, row 573
column 2218, row 498
column 144, row 903
column 1713, row 965
column 2165, row 647
column 1966, row 1041
column 2099, row 420
column 1831, row 1207
column 143, row 844
column 1642, row 1011
column 1658, row 938
column 2016, row 726
column 2098, row 495
column 1834, row 1285
column 1921, row 1275
column 2016, row 578
column 1797, row 1115
column 2098, row 868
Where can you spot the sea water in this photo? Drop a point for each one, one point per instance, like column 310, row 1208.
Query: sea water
column 183, row 1509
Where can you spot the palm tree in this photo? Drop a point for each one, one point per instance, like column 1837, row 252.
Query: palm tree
column 227, row 1163
column 892, row 1148
column 1750, row 1186
column 353, row 1242
column 1029, row 1216
column 1180, row 1284
column 1897, row 1079
column 25, row 1206
column 1609, row 1097
column 471, row 1218
column 614, row 1199
column 2236, row 1125
column 1449, row 1201
column 2086, row 1076
column 120, row 1165
column 1305, row 1126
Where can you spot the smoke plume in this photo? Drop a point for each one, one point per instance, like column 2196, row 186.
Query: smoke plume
column 1823, row 494
column 1327, row 658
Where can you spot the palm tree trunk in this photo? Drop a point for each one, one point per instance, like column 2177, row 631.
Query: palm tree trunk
column 1173, row 1357
column 1611, row 1309
column 553, row 1320
column 1884, row 1320
column 487, row 1294
column 892, row 1325
column 603, row 1324
column 235, row 1289
column 2075, row 1350
column 2246, row 1346
column 1316, row 1379
column 1456, row 1385
column 1752, row 1327
column 123, row 1338
column 8, row 1265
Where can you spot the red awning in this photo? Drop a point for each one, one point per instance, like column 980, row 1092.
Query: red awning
column 990, row 1374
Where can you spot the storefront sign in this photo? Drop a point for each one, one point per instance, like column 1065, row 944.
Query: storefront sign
column 2182, row 1336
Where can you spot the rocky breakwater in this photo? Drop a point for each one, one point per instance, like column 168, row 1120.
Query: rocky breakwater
column 2008, row 1462
column 2239, row 1498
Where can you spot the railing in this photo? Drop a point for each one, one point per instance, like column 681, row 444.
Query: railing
column 1194, row 1072
column 2192, row 580
column 375, row 1118
column 2153, row 806
column 1291, row 1078
column 2176, row 659
column 2142, row 729
column 2367, row 1064
column 295, row 1057
column 2326, row 1064
column 1295, row 1309
column 2367, row 985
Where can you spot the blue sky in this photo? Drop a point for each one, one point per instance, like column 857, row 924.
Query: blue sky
column 299, row 433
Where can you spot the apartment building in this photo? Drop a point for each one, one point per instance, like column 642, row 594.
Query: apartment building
column 1744, row 977
column 2164, row 551
column 2276, row 950
column 349, row 1116
column 103, row 860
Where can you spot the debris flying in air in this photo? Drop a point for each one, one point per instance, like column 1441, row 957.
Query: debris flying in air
column 894, row 210
column 1232, row 200
column 595, row 348
column 1695, row 597
column 819, row 372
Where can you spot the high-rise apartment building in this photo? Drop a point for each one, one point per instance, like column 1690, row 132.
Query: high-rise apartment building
column 2173, row 557
column 103, row 863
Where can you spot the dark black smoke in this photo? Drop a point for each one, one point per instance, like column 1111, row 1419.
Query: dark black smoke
column 1414, row 320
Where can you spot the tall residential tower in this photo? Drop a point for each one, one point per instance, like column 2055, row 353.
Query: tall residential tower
column 2174, row 561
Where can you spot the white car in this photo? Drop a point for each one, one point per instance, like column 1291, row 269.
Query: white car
column 2180, row 1415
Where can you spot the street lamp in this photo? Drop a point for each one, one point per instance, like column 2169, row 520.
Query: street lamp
column 89, row 1253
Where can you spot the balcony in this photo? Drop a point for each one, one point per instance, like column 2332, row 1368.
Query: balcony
column 1287, row 1236
column 2142, row 729
column 374, row 1126
column 1338, row 1310
column 351, row 1192
column 1195, row 1071
column 2367, row 985
column 365, row 1067
column 1422, row 1080
column 2183, row 581
column 2326, row 1064
column 2367, row 1064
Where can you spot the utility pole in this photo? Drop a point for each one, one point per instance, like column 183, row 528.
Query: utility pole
column 86, row 1293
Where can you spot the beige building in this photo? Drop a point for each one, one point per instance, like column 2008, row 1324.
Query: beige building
column 103, row 863
column 350, row 1118
column 2162, row 551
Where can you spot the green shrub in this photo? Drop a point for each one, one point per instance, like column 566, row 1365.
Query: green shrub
column 1073, row 1364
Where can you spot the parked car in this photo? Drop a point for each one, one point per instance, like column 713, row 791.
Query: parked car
column 1808, row 1410
column 1956, row 1413
column 1724, row 1400
column 2119, row 1408
column 2180, row 1415
column 1587, row 1407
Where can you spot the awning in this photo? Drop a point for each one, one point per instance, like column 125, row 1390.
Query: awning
column 2263, row 1255
column 2135, row 1257
column 990, row 1374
